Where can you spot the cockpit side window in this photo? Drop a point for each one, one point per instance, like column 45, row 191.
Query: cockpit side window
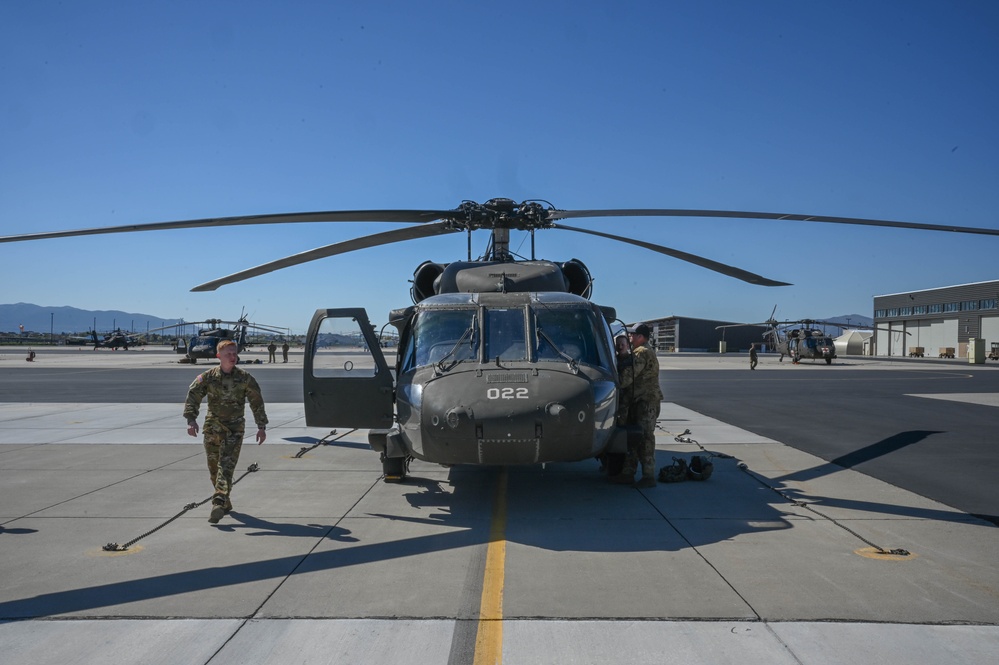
column 505, row 334
column 436, row 334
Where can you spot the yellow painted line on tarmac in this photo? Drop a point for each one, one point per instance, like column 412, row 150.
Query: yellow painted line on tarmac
column 489, row 637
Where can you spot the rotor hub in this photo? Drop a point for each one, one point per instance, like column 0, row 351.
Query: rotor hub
column 502, row 214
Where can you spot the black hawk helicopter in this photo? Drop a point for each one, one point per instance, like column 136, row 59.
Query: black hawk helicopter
column 114, row 340
column 501, row 360
column 204, row 344
column 799, row 340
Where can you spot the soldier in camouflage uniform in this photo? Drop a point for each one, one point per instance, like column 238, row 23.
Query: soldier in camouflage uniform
column 640, row 383
column 228, row 388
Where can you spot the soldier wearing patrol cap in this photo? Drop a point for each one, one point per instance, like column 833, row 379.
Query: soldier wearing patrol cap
column 640, row 380
column 228, row 388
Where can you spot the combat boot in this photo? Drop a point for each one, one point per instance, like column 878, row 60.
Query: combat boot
column 228, row 506
column 218, row 510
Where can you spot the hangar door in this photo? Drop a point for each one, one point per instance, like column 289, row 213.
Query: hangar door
column 990, row 330
column 938, row 335
column 919, row 335
column 892, row 342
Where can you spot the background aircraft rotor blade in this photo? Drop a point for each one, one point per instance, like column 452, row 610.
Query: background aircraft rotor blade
column 722, row 268
column 742, row 325
column 397, row 235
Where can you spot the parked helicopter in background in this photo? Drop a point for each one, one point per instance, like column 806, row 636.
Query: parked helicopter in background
column 798, row 340
column 804, row 342
column 115, row 340
column 204, row 344
column 501, row 359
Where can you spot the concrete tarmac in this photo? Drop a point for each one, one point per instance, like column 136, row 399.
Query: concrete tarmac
column 779, row 557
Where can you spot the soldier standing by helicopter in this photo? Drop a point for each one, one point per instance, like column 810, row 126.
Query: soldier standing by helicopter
column 228, row 388
column 641, row 379
column 271, row 350
column 623, row 349
column 753, row 357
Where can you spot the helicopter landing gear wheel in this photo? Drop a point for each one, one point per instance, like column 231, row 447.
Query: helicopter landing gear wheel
column 194, row 360
column 829, row 361
column 394, row 469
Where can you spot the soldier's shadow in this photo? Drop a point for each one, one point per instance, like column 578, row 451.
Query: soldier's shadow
column 255, row 526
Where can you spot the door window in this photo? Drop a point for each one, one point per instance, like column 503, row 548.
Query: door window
column 341, row 350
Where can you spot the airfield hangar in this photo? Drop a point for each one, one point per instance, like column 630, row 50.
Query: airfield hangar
column 937, row 322
column 682, row 333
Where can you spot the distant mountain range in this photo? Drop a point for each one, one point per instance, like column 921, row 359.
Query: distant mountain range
column 59, row 320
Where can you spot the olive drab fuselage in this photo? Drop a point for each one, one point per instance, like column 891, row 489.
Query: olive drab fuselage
column 480, row 378
column 804, row 343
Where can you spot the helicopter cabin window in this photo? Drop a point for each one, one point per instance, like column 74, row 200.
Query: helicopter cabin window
column 569, row 332
column 505, row 334
column 442, row 334
column 341, row 351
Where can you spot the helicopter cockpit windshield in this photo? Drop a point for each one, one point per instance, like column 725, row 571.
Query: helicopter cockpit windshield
column 440, row 334
column 505, row 336
column 449, row 336
column 816, row 342
column 569, row 332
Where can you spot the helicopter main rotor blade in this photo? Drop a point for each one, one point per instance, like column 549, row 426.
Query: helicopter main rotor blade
column 398, row 216
column 480, row 217
column 780, row 216
column 397, row 235
column 722, row 268
column 742, row 325
column 212, row 322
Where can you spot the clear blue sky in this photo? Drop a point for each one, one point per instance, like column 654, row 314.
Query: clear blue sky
column 131, row 112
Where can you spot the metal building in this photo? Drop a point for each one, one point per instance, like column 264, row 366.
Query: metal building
column 681, row 333
column 939, row 322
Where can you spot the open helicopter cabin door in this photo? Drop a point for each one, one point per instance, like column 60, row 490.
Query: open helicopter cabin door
column 346, row 379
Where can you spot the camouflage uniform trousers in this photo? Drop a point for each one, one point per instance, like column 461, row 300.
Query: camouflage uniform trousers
column 644, row 414
column 222, row 447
